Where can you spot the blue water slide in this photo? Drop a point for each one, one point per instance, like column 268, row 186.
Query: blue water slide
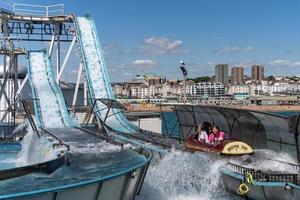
column 99, row 85
column 49, row 104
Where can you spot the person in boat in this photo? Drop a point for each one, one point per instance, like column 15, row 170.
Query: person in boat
column 207, row 127
column 216, row 135
column 201, row 134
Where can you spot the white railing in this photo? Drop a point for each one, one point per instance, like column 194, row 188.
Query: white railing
column 38, row 10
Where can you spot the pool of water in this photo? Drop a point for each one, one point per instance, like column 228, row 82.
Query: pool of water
column 84, row 167
column 7, row 160
column 90, row 158
column 8, row 154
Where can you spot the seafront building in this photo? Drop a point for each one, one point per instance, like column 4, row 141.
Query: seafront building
column 208, row 89
column 239, row 89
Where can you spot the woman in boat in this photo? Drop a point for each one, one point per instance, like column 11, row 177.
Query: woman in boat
column 201, row 134
column 216, row 136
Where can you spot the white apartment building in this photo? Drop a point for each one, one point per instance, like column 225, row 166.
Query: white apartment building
column 278, row 88
column 294, row 87
column 135, row 91
column 239, row 89
column 142, row 92
column 261, row 89
column 168, row 90
column 207, row 88
column 180, row 91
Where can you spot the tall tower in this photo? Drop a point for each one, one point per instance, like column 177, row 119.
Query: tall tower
column 257, row 72
column 237, row 74
column 221, row 72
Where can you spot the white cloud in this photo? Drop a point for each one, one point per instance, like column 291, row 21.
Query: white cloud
column 295, row 64
column 140, row 64
column 144, row 62
column 280, row 62
column 200, row 69
column 249, row 48
column 233, row 49
column 162, row 45
column 284, row 62
column 127, row 74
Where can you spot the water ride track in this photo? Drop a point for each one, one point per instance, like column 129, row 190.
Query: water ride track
column 49, row 106
column 99, row 85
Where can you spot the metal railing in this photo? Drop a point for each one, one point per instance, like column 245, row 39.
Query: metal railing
column 265, row 176
column 38, row 10
column 29, row 114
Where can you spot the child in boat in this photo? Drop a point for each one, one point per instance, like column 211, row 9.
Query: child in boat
column 202, row 134
column 216, row 136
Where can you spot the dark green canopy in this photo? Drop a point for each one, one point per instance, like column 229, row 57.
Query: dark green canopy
column 258, row 129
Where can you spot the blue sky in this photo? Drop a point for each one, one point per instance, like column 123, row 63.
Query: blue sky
column 153, row 36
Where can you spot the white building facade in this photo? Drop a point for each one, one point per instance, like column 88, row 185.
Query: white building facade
column 239, row 89
column 208, row 89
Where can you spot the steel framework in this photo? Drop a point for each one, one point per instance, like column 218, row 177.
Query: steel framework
column 33, row 23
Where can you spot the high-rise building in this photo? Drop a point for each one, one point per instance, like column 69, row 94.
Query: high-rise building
column 221, row 71
column 237, row 75
column 257, row 72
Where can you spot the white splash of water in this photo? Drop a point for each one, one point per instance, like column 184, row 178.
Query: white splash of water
column 93, row 148
column 268, row 160
column 96, row 148
column 34, row 149
column 184, row 176
column 21, row 127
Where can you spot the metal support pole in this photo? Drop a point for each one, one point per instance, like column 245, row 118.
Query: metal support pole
column 77, row 84
column 66, row 59
column 90, row 114
column 184, row 90
column 4, row 67
column 51, row 46
column 3, row 87
column 30, row 118
column 58, row 48
column 15, row 65
column 85, row 91
column 16, row 75
column 22, row 85
column 106, row 115
column 3, row 90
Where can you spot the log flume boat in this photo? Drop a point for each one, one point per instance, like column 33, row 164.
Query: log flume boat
column 225, row 147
